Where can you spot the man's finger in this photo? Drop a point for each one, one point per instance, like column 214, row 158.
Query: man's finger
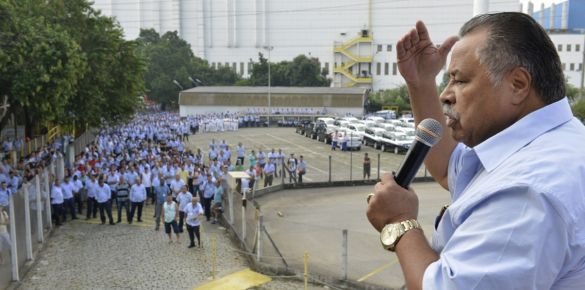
column 400, row 51
column 414, row 37
column 387, row 178
column 447, row 45
column 423, row 33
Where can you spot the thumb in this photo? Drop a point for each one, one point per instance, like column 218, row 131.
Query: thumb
column 447, row 45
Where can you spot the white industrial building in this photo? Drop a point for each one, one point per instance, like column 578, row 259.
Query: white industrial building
column 354, row 39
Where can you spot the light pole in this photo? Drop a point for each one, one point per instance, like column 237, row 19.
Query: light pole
column 178, row 85
column 269, row 48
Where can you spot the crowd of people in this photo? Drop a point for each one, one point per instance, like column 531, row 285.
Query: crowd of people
column 147, row 163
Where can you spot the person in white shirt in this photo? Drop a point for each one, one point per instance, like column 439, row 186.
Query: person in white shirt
column 137, row 198
column 5, row 242
column 170, row 214
column 92, row 205
column 147, row 181
column 77, row 187
column 103, row 197
column 176, row 185
column 57, row 202
column 194, row 212
column 67, row 187
column 183, row 198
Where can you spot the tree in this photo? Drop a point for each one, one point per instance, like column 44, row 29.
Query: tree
column 169, row 58
column 45, row 64
column 393, row 97
column 301, row 72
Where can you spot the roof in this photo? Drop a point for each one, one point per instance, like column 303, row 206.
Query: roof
column 276, row 90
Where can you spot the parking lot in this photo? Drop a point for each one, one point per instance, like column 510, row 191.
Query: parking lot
column 312, row 220
column 344, row 165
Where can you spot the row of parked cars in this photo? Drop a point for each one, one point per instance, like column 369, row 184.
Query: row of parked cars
column 387, row 135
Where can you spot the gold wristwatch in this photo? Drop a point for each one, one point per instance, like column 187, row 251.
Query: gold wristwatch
column 391, row 233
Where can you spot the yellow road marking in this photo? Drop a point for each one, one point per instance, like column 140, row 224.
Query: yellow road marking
column 243, row 279
column 377, row 270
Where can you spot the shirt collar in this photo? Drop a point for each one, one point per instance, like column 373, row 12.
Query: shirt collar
column 493, row 151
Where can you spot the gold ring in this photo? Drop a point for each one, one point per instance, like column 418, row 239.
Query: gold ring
column 368, row 198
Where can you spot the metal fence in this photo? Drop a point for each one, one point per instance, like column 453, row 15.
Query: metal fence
column 29, row 223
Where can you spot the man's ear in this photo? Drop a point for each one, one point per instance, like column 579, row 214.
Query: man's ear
column 520, row 81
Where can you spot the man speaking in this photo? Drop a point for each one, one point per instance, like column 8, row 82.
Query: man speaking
column 512, row 157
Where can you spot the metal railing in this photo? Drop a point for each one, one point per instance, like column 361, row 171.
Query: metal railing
column 29, row 222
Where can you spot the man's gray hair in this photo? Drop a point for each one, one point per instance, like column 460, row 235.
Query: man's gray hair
column 516, row 40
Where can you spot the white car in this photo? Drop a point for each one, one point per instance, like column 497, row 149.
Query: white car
column 373, row 137
column 354, row 142
column 357, row 129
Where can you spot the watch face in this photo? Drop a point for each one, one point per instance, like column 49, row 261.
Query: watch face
column 389, row 235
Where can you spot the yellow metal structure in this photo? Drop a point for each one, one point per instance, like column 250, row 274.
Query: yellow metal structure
column 344, row 50
column 239, row 280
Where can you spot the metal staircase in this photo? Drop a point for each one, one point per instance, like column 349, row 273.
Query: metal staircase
column 349, row 59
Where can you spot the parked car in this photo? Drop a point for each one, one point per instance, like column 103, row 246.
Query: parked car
column 402, row 142
column 301, row 127
column 357, row 129
column 372, row 137
column 310, row 130
column 355, row 141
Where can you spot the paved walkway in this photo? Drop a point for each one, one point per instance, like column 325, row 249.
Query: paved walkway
column 86, row 255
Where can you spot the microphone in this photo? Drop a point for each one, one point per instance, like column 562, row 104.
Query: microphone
column 428, row 133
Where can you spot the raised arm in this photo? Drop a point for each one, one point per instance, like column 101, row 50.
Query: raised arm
column 419, row 62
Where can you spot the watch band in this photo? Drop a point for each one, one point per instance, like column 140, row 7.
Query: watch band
column 404, row 226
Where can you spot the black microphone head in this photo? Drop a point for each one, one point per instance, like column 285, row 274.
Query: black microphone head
column 429, row 132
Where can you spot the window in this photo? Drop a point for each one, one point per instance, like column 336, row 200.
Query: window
column 394, row 68
column 378, row 68
column 564, row 66
column 326, row 66
column 379, row 47
column 572, row 67
column 213, row 64
column 234, row 67
column 568, row 47
column 386, row 68
column 227, row 64
column 389, row 47
column 560, row 47
column 577, row 47
column 250, row 66
column 241, row 68
column 580, row 67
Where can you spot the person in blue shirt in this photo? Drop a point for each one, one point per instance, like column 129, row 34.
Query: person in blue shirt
column 208, row 193
column 161, row 191
column 512, row 157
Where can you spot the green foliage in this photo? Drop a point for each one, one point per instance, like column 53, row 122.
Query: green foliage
column 579, row 109
column 62, row 62
column 170, row 58
column 301, row 72
column 393, row 97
